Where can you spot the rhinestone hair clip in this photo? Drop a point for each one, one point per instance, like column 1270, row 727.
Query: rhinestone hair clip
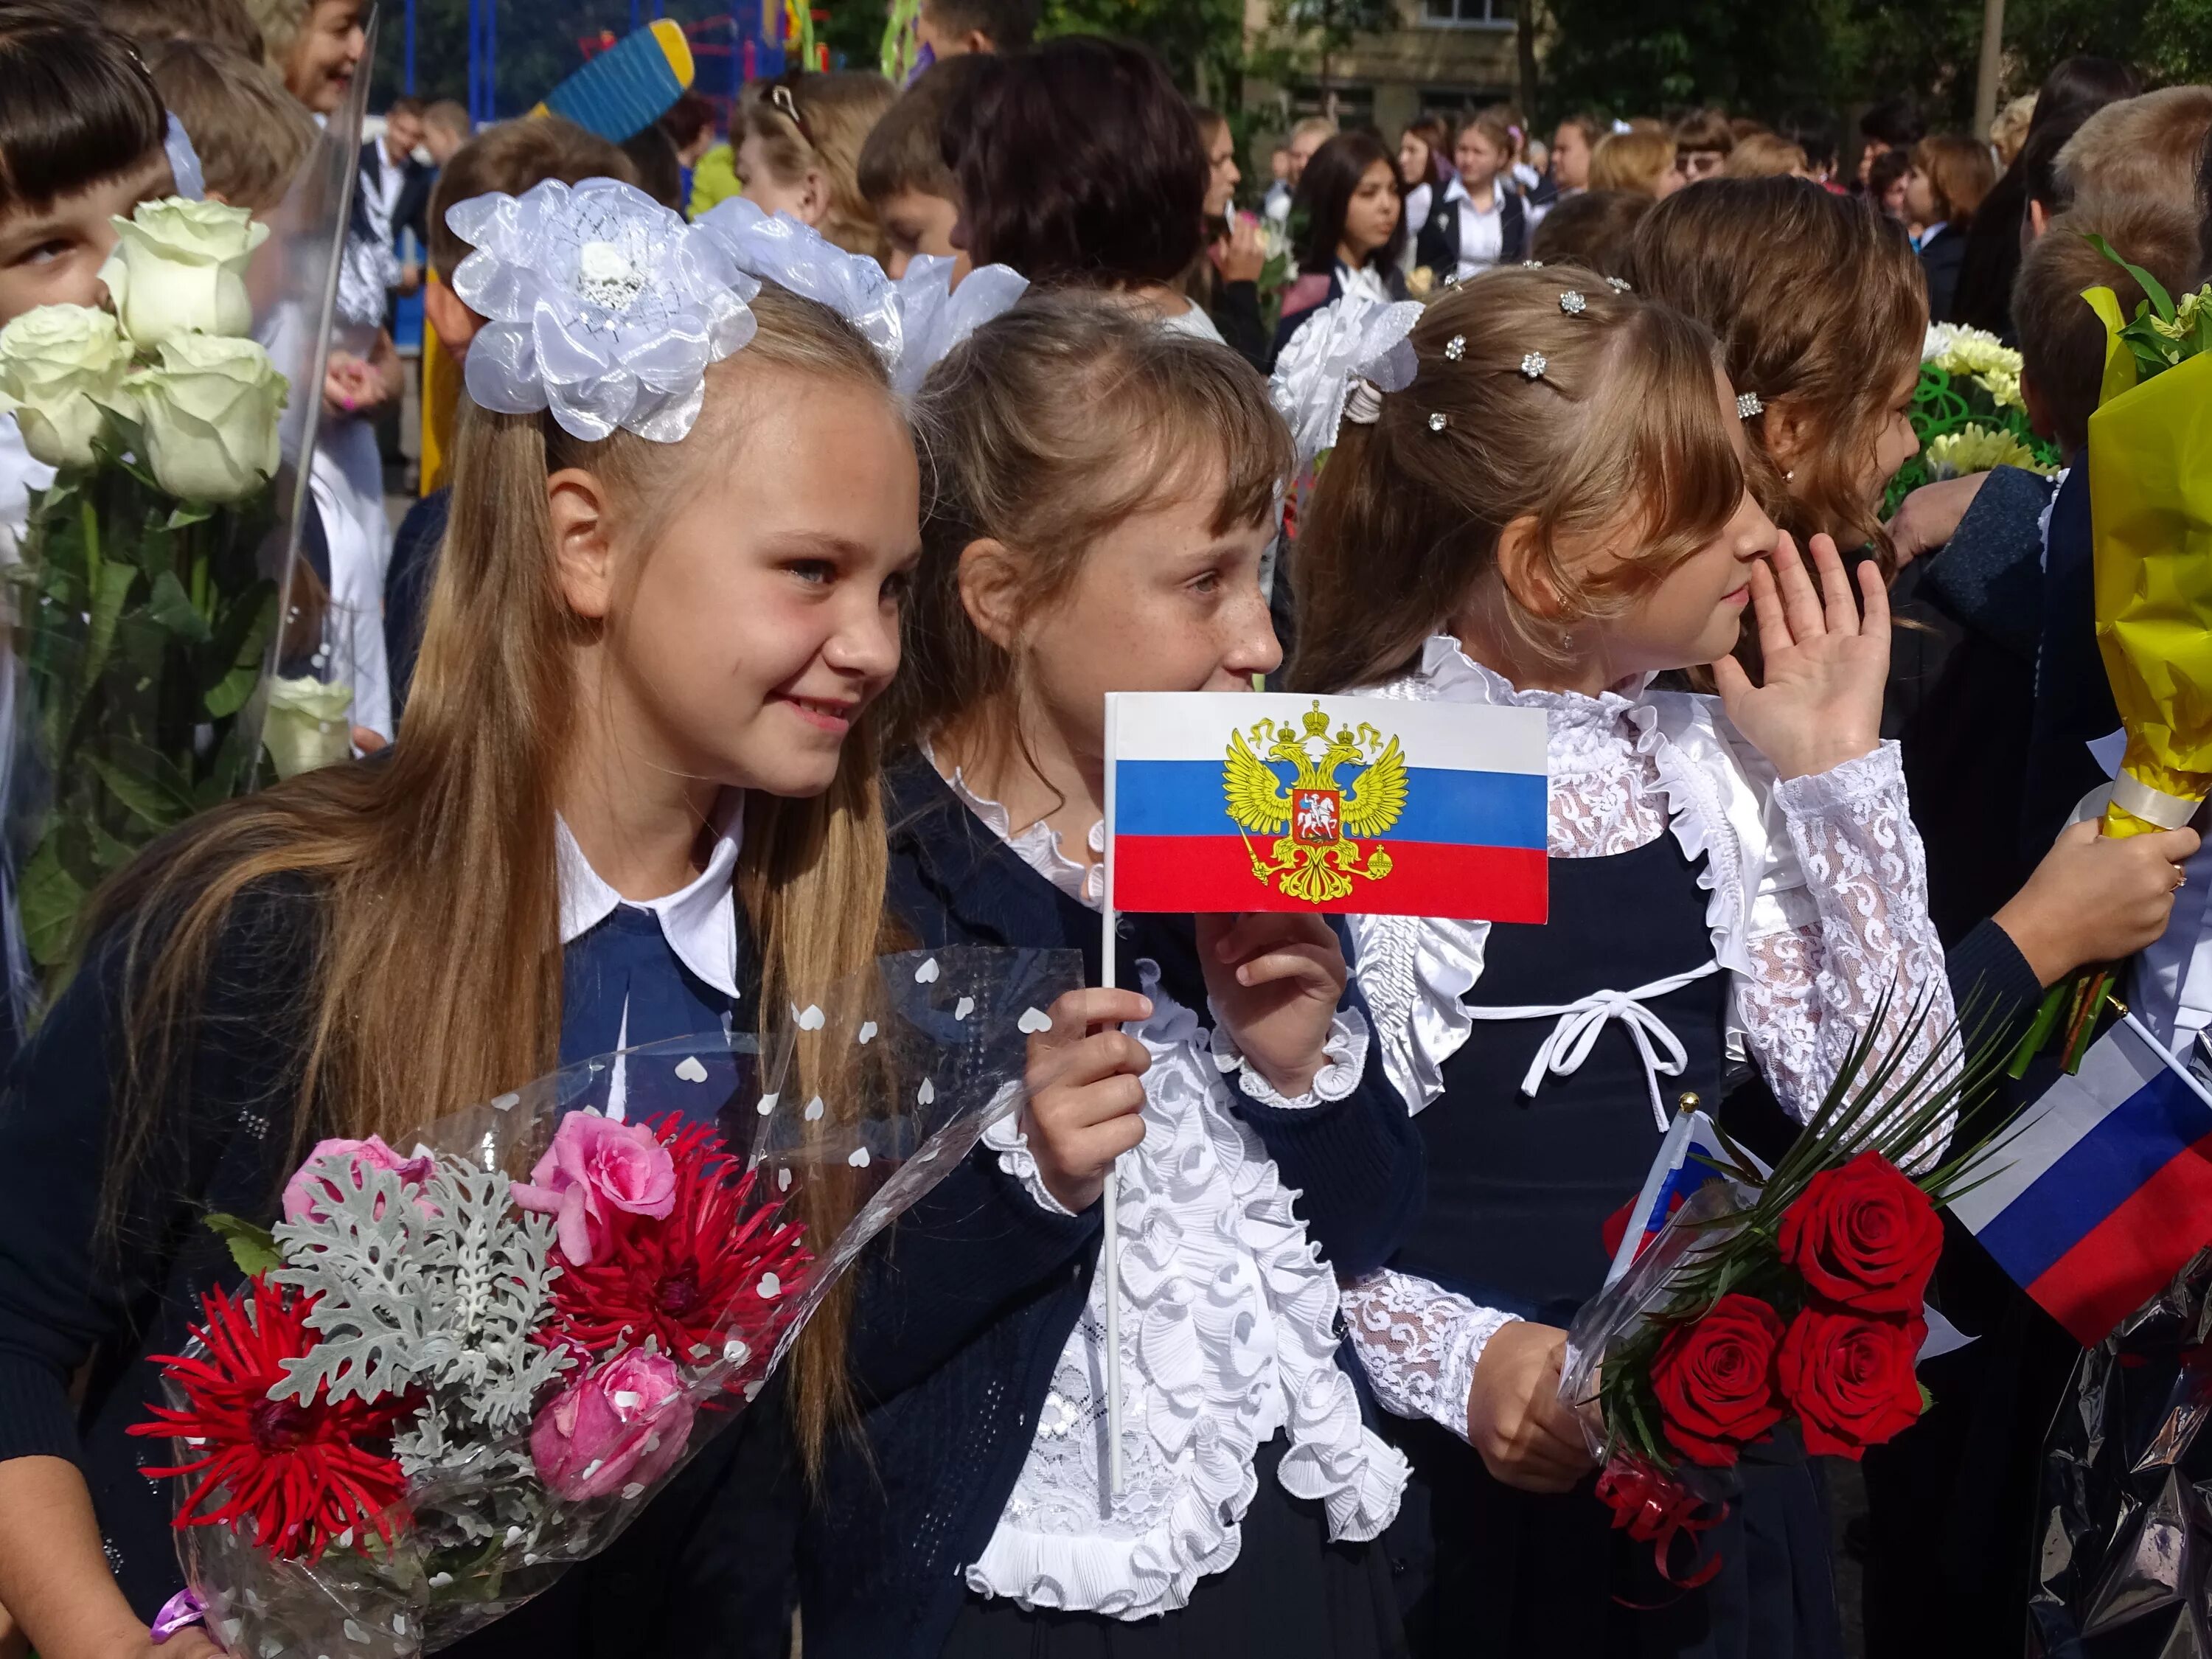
column 1747, row 404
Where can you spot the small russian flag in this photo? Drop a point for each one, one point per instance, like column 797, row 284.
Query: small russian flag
column 2103, row 1191
column 1684, row 1162
column 1221, row 801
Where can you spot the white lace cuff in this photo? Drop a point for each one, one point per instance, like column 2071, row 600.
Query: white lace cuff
column 1007, row 1140
column 1343, row 1063
column 1854, row 785
column 1419, row 1343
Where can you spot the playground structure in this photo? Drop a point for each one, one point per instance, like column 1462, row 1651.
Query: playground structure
column 748, row 43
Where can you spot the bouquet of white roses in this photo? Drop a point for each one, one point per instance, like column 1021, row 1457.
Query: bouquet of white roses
column 144, row 600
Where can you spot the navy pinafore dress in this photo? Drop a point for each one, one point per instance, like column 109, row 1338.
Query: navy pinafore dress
column 1519, row 1189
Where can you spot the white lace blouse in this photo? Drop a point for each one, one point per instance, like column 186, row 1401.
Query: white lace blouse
column 1228, row 1338
column 1818, row 906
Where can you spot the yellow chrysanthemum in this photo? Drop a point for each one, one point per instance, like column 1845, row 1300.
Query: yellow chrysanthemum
column 1977, row 353
column 1978, row 448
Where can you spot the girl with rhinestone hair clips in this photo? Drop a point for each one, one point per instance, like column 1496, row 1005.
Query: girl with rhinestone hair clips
column 633, row 796
column 1547, row 511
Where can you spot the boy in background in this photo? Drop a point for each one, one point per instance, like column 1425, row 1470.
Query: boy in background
column 251, row 136
column 902, row 172
column 509, row 157
column 950, row 28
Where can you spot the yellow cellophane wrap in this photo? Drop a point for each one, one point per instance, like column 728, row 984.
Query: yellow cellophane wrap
column 2150, row 501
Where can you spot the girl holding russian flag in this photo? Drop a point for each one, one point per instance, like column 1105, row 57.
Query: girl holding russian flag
column 1550, row 514
column 1104, row 491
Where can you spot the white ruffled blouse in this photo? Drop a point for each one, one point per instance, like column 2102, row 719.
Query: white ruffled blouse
column 1228, row 1337
column 1818, row 906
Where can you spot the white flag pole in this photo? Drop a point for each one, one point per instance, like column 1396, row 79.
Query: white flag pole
column 1109, row 1251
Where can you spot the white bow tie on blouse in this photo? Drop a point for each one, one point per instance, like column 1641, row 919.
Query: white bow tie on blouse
column 1580, row 1022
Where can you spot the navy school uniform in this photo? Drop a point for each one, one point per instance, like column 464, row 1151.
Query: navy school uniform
column 962, row 1320
column 68, row 1303
column 1518, row 1193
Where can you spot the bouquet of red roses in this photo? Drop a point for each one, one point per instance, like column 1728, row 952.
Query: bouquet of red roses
column 1795, row 1296
column 450, row 1375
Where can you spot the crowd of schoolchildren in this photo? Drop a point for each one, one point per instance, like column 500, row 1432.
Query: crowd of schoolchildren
column 694, row 705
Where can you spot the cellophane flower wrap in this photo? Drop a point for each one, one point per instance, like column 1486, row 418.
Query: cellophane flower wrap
column 452, row 1372
column 2127, row 1489
column 1968, row 413
column 141, row 617
column 2150, row 504
column 1783, row 1300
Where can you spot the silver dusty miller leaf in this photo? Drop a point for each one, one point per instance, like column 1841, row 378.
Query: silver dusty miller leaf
column 360, row 1260
column 446, row 1300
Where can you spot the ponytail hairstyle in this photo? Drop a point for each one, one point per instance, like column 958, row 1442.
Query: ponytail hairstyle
column 434, row 867
column 1045, row 428
column 1622, row 425
column 1819, row 301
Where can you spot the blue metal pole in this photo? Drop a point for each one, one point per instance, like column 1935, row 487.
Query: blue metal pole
column 633, row 17
column 491, row 60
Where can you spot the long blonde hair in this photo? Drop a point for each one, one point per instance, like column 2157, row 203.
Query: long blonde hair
column 438, row 981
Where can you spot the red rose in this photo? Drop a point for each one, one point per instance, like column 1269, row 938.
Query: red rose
column 1714, row 1378
column 1864, row 1238
column 1849, row 1379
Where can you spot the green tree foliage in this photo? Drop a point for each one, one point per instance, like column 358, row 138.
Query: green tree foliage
column 1657, row 55
column 1201, row 40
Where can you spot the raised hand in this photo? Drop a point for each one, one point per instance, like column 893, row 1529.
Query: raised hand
column 1086, row 1083
column 1275, row 978
column 1826, row 659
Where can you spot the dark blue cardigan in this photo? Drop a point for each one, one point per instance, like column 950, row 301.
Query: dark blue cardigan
column 962, row 1319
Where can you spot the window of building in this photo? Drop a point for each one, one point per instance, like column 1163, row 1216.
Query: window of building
column 1469, row 14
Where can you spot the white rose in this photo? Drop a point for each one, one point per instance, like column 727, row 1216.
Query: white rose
column 179, row 267
column 307, row 724
column 61, row 369
column 210, row 413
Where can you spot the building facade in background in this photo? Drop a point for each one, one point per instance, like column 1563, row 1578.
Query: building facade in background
column 1444, row 57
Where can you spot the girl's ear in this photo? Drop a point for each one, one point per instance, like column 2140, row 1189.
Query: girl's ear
column 814, row 198
column 583, row 552
column 1525, row 572
column 990, row 591
column 1790, row 434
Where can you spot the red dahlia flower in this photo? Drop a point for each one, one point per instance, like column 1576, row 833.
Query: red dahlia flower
column 304, row 1472
column 692, row 1279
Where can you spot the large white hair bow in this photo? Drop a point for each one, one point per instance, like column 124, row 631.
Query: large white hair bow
column 603, row 305
column 1357, row 338
column 912, row 323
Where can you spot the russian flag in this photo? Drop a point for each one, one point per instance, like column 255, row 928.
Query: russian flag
column 1219, row 801
column 2104, row 1189
column 1684, row 1162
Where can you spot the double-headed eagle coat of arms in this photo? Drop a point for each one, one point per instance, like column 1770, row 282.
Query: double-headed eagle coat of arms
column 1317, row 823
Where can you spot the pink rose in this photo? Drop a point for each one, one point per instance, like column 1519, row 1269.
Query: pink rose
column 316, row 1181
column 622, row 1425
column 594, row 1167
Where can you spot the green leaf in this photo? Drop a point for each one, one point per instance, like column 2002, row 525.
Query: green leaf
column 240, row 633
column 148, row 799
column 50, row 900
column 184, row 514
column 2153, row 290
column 253, row 1249
column 173, row 608
column 108, row 602
column 1926, row 1398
